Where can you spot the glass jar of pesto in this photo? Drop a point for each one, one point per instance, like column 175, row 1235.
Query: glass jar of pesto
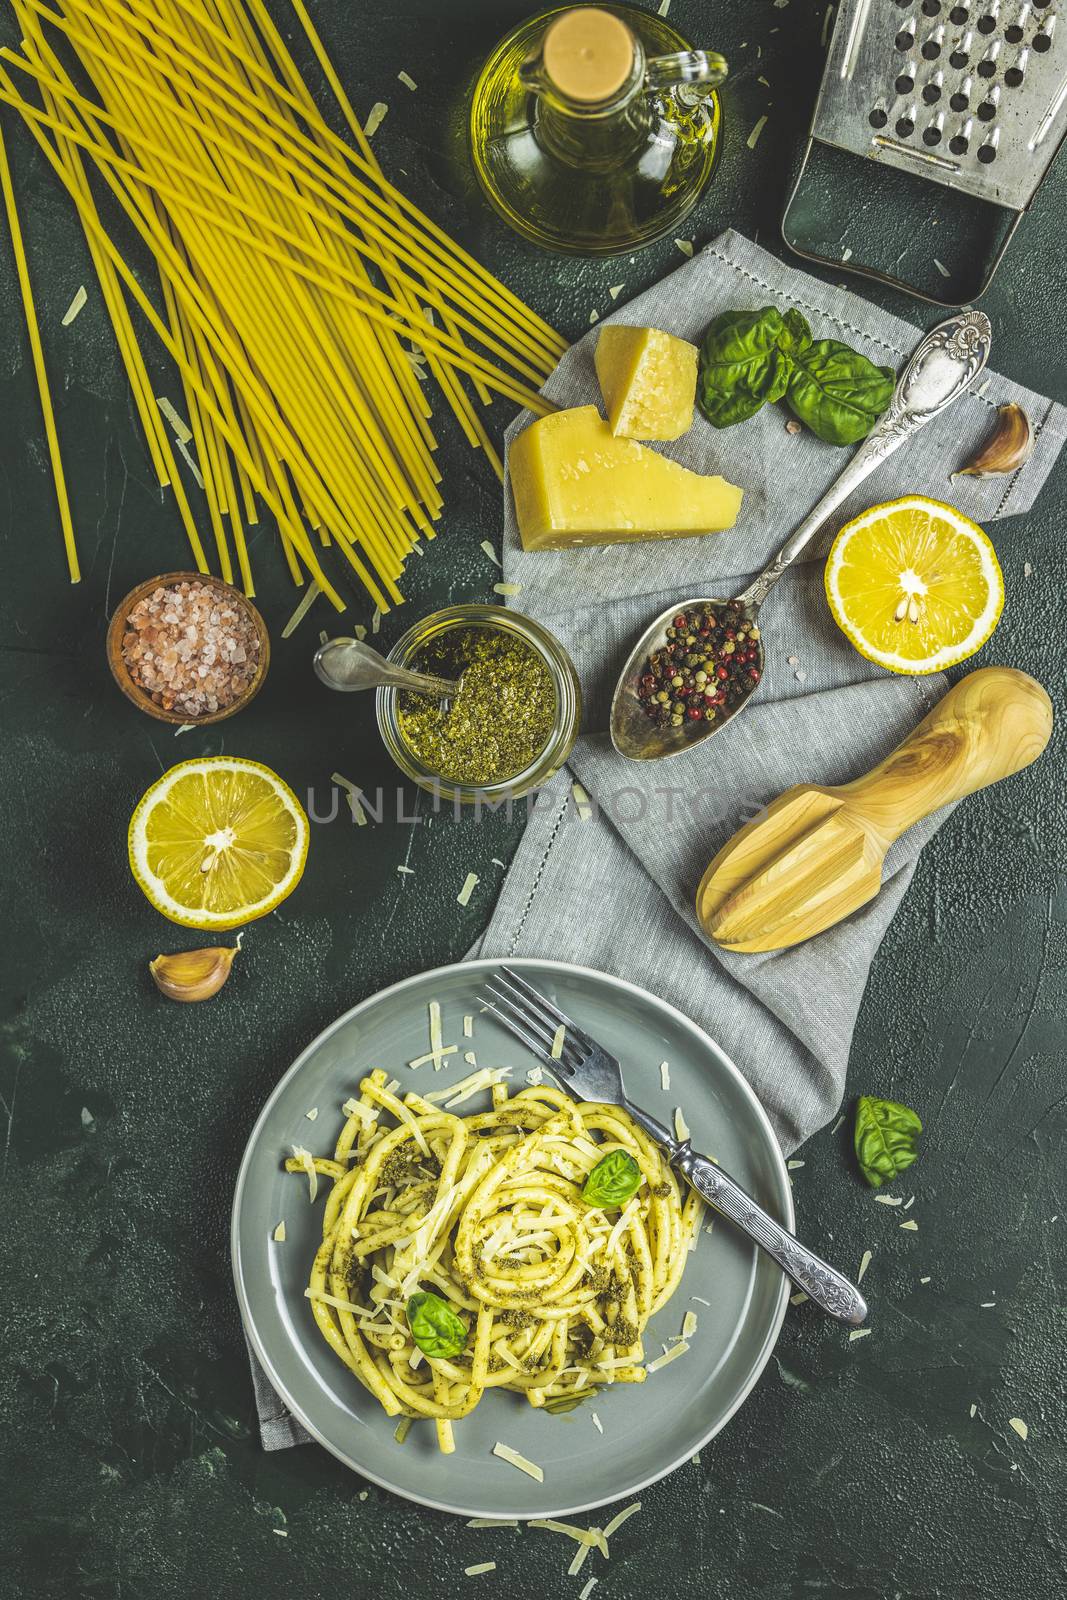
column 513, row 721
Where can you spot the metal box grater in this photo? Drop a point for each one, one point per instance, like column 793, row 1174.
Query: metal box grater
column 971, row 95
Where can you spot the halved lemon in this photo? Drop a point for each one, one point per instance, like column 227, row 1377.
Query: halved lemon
column 218, row 842
column 915, row 585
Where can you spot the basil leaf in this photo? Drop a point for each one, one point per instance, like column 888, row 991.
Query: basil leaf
column 884, row 1138
column 612, row 1181
column 797, row 333
column 434, row 1326
column 745, row 362
column 837, row 392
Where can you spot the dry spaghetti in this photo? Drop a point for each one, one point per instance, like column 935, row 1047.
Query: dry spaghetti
column 304, row 298
column 486, row 1212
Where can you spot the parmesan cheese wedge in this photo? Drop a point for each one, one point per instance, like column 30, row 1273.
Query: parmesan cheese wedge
column 575, row 483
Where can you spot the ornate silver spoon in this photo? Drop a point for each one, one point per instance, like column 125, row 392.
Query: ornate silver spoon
column 348, row 664
column 942, row 366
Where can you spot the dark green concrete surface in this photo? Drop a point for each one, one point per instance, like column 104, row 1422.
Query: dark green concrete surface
column 879, row 1470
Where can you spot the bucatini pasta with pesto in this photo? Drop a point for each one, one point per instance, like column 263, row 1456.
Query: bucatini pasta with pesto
column 485, row 1214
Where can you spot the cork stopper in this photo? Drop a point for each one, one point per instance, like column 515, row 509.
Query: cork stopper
column 588, row 54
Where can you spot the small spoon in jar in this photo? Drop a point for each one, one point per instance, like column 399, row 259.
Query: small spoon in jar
column 349, row 664
column 943, row 365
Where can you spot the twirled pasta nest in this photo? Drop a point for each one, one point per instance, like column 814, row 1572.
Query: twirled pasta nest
column 486, row 1212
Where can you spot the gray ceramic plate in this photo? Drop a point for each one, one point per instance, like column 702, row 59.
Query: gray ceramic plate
column 649, row 1428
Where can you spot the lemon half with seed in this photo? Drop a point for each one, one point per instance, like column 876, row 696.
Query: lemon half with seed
column 915, row 585
column 218, row 842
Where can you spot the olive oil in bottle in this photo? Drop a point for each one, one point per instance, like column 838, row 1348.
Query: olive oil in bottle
column 594, row 129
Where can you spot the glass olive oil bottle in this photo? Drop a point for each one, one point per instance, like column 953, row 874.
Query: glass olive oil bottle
column 594, row 129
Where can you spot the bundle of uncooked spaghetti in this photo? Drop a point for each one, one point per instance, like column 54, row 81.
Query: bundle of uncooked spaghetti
column 304, row 299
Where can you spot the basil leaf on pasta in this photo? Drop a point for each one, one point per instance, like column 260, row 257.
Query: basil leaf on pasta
column 613, row 1180
column 434, row 1326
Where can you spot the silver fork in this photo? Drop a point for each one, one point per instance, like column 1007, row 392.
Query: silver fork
column 588, row 1072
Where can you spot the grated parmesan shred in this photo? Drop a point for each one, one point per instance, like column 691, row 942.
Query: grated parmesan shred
column 436, row 1056
column 182, row 431
column 75, row 306
column 279, row 1234
column 680, row 1349
column 681, row 1127
column 577, row 1564
column 407, row 80
column 356, row 1108
column 622, row 1516
column 470, row 883
column 665, row 1076
column 353, row 791
column 310, row 594
column 506, row 1453
column 490, row 552
column 307, row 1163
column 375, row 118
column 557, row 1043
column 507, row 588
column 478, row 1568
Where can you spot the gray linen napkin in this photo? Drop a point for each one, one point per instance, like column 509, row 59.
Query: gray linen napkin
column 615, row 891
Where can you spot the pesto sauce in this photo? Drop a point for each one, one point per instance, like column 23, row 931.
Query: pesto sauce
column 499, row 721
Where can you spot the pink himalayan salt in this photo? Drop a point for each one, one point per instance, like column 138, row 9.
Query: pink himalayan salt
column 191, row 649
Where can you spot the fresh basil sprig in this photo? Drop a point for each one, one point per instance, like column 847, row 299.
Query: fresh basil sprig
column 434, row 1326
column 751, row 358
column 745, row 362
column 837, row 392
column 885, row 1138
column 612, row 1181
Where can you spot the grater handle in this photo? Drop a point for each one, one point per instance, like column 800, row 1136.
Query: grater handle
column 943, row 365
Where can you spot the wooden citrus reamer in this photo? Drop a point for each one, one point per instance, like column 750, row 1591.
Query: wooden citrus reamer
column 816, row 854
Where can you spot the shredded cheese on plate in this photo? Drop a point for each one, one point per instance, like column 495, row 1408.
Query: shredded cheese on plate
column 506, row 1453
column 677, row 1350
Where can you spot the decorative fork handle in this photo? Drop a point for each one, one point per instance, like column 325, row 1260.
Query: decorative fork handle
column 822, row 1283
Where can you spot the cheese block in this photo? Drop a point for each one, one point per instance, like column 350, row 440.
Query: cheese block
column 575, row 483
column 648, row 380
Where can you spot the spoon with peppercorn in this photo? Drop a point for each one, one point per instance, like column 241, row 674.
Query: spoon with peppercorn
column 349, row 664
column 700, row 662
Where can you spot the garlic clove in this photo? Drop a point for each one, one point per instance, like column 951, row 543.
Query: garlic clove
column 191, row 975
column 1008, row 447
